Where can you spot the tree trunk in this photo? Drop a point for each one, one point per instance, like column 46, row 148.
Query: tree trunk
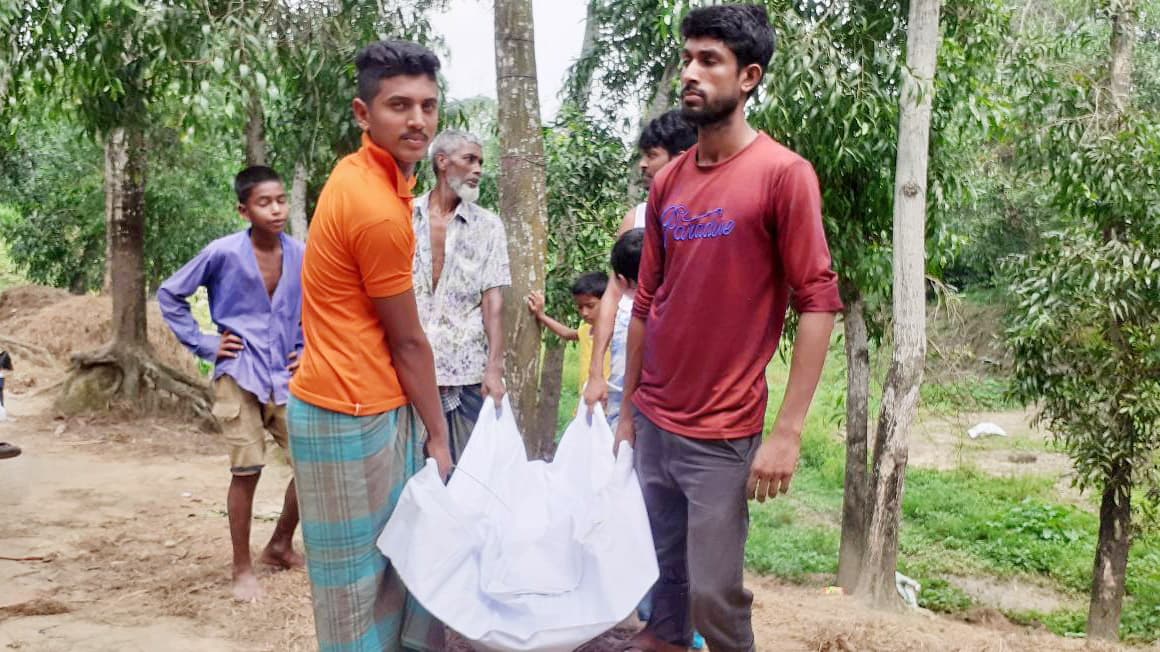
column 124, row 374
column 662, row 95
column 551, row 383
column 126, row 149
column 856, row 496
column 900, row 397
column 582, row 86
column 255, row 130
column 299, row 226
column 1111, row 564
column 115, row 160
column 1110, row 568
column 522, row 202
column 1123, row 46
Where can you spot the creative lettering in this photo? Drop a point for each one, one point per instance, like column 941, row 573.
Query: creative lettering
column 684, row 225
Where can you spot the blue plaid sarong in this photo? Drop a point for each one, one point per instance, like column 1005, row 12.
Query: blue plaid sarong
column 350, row 472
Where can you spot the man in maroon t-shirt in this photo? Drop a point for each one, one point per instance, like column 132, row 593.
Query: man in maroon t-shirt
column 733, row 236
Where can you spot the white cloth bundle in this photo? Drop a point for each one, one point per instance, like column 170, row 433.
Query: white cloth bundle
column 517, row 555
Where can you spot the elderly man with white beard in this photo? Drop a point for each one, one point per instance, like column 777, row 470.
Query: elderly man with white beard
column 461, row 266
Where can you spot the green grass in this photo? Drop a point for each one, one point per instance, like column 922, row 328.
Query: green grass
column 967, row 395
column 960, row 522
column 9, row 276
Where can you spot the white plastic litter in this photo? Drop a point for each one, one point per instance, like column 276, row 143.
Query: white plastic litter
column 986, row 428
column 518, row 556
column 908, row 589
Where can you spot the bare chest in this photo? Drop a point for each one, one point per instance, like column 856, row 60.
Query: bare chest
column 270, row 265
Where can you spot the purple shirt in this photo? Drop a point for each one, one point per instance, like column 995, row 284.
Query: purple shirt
column 270, row 326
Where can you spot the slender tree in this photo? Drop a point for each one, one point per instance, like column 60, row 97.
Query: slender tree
column 523, row 207
column 900, row 398
column 1084, row 327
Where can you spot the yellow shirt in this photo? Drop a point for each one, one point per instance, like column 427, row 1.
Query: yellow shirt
column 584, row 333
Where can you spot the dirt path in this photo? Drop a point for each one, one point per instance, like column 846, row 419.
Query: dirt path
column 127, row 526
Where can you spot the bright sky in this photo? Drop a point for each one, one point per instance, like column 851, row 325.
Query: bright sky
column 468, row 30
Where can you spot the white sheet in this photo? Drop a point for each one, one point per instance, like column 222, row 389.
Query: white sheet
column 517, row 555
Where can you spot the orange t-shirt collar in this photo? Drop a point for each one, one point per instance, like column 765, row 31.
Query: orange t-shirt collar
column 382, row 159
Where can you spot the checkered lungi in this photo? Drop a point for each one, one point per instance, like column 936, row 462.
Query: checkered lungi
column 461, row 406
column 350, row 472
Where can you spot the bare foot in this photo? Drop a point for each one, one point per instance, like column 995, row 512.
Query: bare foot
column 283, row 557
column 246, row 587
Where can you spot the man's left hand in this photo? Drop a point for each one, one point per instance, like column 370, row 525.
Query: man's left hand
column 493, row 386
column 774, row 466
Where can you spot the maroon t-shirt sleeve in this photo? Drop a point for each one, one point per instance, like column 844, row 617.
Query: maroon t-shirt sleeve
column 652, row 255
column 801, row 241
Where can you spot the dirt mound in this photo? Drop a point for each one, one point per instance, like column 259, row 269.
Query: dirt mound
column 24, row 300
column 38, row 607
column 44, row 327
column 965, row 340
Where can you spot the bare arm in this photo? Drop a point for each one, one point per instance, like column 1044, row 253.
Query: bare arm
column 625, row 429
column 536, row 307
column 493, row 326
column 415, row 363
column 777, row 458
column 627, row 222
column 596, row 390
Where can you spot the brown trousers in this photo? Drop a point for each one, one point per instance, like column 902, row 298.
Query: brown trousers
column 698, row 509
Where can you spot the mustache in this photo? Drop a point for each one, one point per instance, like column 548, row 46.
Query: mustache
column 685, row 90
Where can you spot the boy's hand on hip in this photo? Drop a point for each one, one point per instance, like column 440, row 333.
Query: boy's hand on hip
column 774, row 465
column 229, row 346
column 294, row 362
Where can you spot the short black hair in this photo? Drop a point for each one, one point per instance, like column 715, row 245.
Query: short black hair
column 671, row 131
column 391, row 58
column 248, row 178
column 626, row 253
column 744, row 29
column 5, row 361
column 592, row 284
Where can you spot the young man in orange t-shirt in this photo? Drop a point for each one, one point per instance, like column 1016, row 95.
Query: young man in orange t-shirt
column 367, row 376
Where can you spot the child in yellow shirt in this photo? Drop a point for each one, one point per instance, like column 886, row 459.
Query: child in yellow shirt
column 586, row 293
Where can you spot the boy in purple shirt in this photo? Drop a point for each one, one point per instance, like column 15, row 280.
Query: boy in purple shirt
column 254, row 280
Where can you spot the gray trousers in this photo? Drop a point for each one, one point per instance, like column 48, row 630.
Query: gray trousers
column 698, row 509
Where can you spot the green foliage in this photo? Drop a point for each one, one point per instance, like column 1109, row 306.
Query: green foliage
column 9, row 276
column 1087, row 348
column 108, row 63
column 938, row 595
column 633, row 43
column 587, row 185
column 968, row 395
column 55, row 186
column 779, row 546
